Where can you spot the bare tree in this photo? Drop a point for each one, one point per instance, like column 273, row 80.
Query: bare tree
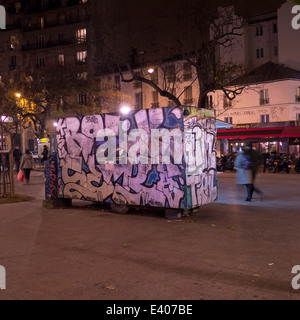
column 137, row 36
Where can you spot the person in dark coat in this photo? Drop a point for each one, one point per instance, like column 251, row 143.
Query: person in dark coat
column 17, row 154
column 44, row 154
column 256, row 160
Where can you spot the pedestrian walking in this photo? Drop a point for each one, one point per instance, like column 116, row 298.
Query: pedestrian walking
column 17, row 154
column 242, row 164
column 44, row 154
column 27, row 165
column 256, row 160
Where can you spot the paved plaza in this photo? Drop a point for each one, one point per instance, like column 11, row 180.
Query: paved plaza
column 231, row 249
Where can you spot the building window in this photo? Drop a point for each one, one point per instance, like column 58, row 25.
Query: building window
column 155, row 103
column 259, row 31
column 82, row 99
column 275, row 30
column 42, row 22
column 187, row 71
column 298, row 95
column 60, row 38
column 118, row 82
column 298, row 117
column 209, row 101
column 276, row 51
column 13, row 43
column 173, row 92
column 171, row 74
column 44, row 4
column 61, row 60
column 188, row 95
column 81, row 36
column 264, row 118
column 61, row 18
column 41, row 41
column 82, row 76
column 13, row 62
column 259, row 53
column 227, row 103
column 81, row 57
column 228, row 120
column 40, row 61
column 18, row 6
column 138, row 101
column 264, row 97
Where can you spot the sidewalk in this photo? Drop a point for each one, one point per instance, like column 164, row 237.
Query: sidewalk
column 36, row 187
column 281, row 190
column 226, row 250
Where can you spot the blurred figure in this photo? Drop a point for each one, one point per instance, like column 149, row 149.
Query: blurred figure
column 242, row 164
column 17, row 154
column 256, row 160
column 27, row 165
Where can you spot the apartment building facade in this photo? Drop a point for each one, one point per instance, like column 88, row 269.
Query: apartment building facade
column 47, row 34
column 63, row 33
column 267, row 111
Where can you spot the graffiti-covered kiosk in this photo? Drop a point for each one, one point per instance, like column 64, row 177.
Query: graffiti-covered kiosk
column 160, row 157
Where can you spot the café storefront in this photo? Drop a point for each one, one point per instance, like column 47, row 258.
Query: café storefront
column 266, row 138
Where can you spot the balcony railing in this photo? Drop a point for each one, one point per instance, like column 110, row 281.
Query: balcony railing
column 48, row 44
column 155, row 105
column 55, row 23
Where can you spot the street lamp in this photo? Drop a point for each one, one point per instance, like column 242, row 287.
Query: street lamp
column 125, row 109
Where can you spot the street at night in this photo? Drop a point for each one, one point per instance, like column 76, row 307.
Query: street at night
column 150, row 153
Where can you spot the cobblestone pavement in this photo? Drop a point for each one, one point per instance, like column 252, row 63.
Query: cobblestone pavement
column 230, row 249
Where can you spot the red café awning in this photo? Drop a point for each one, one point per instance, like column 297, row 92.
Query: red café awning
column 277, row 132
column 291, row 132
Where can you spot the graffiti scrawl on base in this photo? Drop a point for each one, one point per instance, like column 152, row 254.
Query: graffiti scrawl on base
column 189, row 184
